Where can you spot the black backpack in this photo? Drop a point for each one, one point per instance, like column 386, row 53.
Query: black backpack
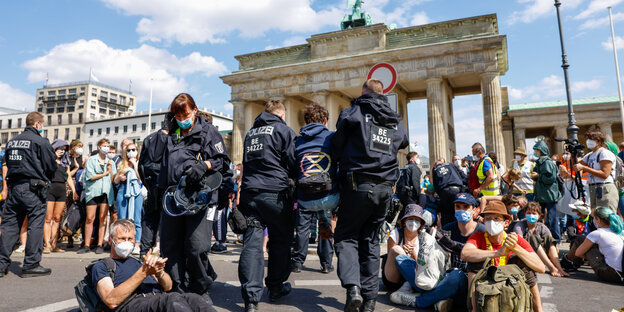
column 316, row 179
column 403, row 183
column 86, row 293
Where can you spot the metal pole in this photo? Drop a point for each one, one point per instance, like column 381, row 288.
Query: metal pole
column 617, row 69
column 572, row 127
column 149, row 113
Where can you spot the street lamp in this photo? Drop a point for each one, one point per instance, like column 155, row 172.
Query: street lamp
column 572, row 127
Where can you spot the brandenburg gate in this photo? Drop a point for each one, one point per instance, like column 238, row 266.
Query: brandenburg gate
column 435, row 62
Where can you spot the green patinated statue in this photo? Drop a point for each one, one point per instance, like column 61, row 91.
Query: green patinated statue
column 357, row 18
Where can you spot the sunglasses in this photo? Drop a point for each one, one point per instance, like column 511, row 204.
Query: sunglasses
column 131, row 150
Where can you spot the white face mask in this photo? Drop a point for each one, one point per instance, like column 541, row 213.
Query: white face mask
column 78, row 151
column 104, row 149
column 591, row 144
column 412, row 225
column 132, row 154
column 566, row 157
column 518, row 157
column 493, row 227
column 418, row 161
column 110, row 155
column 458, row 163
column 124, row 249
column 237, row 172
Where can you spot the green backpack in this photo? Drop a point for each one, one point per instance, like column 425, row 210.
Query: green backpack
column 501, row 288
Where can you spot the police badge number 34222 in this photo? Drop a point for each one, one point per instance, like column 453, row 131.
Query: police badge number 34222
column 254, row 142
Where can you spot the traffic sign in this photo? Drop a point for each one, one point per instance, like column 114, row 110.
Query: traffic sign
column 385, row 73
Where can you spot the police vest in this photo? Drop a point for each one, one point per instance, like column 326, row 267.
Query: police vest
column 493, row 188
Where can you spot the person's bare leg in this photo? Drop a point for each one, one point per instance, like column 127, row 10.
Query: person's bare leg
column 47, row 227
column 88, row 233
column 474, row 302
column 553, row 254
column 537, row 301
column 56, row 218
column 392, row 273
column 542, row 255
column 102, row 229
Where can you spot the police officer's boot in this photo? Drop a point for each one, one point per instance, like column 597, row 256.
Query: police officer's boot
column 36, row 271
column 4, row 272
column 279, row 292
column 354, row 299
column 369, row 305
column 251, row 307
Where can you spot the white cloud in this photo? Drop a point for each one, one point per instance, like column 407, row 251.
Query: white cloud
column 608, row 44
column 228, row 107
column 596, row 6
column 402, row 15
column 600, row 22
column 71, row 62
column 198, row 21
column 551, row 87
column 536, row 9
column 514, row 93
column 292, row 41
column 420, row 18
column 579, row 86
column 16, row 98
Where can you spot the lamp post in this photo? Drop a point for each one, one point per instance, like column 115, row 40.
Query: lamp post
column 149, row 113
column 572, row 127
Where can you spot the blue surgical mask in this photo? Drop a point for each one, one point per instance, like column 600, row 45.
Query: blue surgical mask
column 514, row 210
column 532, row 218
column 575, row 215
column 463, row 216
column 186, row 123
column 535, row 154
column 40, row 130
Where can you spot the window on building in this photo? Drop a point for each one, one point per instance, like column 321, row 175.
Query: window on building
column 0, row 123
column 5, row 138
column 10, row 123
column 116, row 129
column 66, row 134
column 102, row 110
column 79, row 117
column 153, row 125
column 61, row 92
column 78, row 133
column 93, row 106
column 45, row 133
column 134, row 128
column 14, row 134
column 99, row 131
column 90, row 132
column 131, row 101
column 111, row 113
column 70, row 106
column 91, row 116
column 107, row 130
column 40, row 108
column 49, row 121
column 19, row 122
column 122, row 100
column 60, row 119
column 125, row 128
column 60, row 107
column 40, row 92
column 143, row 127
column 50, row 108
column 72, row 91
column 115, row 144
column 55, row 134
column 70, row 118
column 93, row 91
column 90, row 147
column 52, row 93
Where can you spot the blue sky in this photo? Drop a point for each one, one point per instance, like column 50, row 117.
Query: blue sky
column 186, row 45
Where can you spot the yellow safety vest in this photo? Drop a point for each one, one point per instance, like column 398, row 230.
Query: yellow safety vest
column 502, row 260
column 492, row 189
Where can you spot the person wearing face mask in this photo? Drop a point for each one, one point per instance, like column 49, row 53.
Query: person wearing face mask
column 546, row 188
column 524, row 185
column 194, row 149
column 408, row 185
column 57, row 197
column 137, row 286
column 76, row 161
column 30, row 166
column 99, row 193
column 486, row 173
column 583, row 224
column 538, row 235
column 599, row 163
column 448, row 181
column 129, row 201
column 501, row 249
column 604, row 247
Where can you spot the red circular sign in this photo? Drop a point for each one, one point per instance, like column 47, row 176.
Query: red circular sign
column 385, row 73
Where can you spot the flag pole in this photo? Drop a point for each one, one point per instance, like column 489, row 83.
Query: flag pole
column 149, row 113
column 617, row 69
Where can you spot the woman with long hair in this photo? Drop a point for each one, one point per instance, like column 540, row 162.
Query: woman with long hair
column 129, row 198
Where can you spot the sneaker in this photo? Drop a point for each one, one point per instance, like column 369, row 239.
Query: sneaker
column 83, row 250
column 4, row 272
column 218, row 248
column 295, row 267
column 21, row 248
column 445, row 305
column 136, row 251
column 404, row 298
column 280, row 291
column 327, row 270
column 99, row 250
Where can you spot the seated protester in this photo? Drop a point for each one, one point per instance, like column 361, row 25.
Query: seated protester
column 466, row 209
column 538, row 235
column 582, row 225
column 453, row 285
column 606, row 259
column 502, row 249
column 136, row 286
column 508, row 185
column 512, row 203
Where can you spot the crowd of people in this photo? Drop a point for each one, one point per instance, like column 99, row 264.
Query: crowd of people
column 163, row 201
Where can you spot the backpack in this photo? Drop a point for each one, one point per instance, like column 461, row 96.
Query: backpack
column 501, row 288
column 619, row 171
column 316, row 179
column 72, row 220
column 86, row 293
column 473, row 179
column 403, row 186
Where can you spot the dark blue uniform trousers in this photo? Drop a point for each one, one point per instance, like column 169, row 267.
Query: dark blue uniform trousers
column 360, row 216
column 275, row 211
column 150, row 221
column 304, row 224
column 185, row 241
column 22, row 202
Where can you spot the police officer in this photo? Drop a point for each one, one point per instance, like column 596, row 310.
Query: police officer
column 31, row 163
column 448, row 181
column 409, row 193
column 368, row 137
column 194, row 148
column 154, row 146
column 269, row 162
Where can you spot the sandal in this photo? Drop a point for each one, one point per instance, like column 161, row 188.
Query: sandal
column 59, row 250
column 46, row 250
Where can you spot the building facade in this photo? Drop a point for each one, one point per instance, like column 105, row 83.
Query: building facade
column 137, row 127
column 11, row 125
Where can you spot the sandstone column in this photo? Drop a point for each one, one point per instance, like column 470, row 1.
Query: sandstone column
column 560, row 132
column 492, row 114
column 437, row 129
column 605, row 127
column 238, row 131
column 519, row 137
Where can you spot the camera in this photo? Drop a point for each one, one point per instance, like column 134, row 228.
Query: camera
column 576, row 151
column 572, row 146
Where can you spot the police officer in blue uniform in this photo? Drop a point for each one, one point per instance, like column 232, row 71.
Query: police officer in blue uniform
column 368, row 137
column 31, row 163
column 266, row 200
column 448, row 181
column 194, row 148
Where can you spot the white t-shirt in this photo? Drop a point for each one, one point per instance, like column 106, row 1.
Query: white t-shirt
column 395, row 237
column 593, row 161
column 611, row 246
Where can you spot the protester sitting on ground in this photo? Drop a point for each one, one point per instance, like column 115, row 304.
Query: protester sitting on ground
column 501, row 249
column 136, row 286
column 599, row 164
column 606, row 259
column 538, row 235
column 508, row 182
column 525, row 183
column 582, row 225
column 514, row 205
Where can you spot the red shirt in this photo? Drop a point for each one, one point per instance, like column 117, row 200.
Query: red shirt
column 478, row 239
